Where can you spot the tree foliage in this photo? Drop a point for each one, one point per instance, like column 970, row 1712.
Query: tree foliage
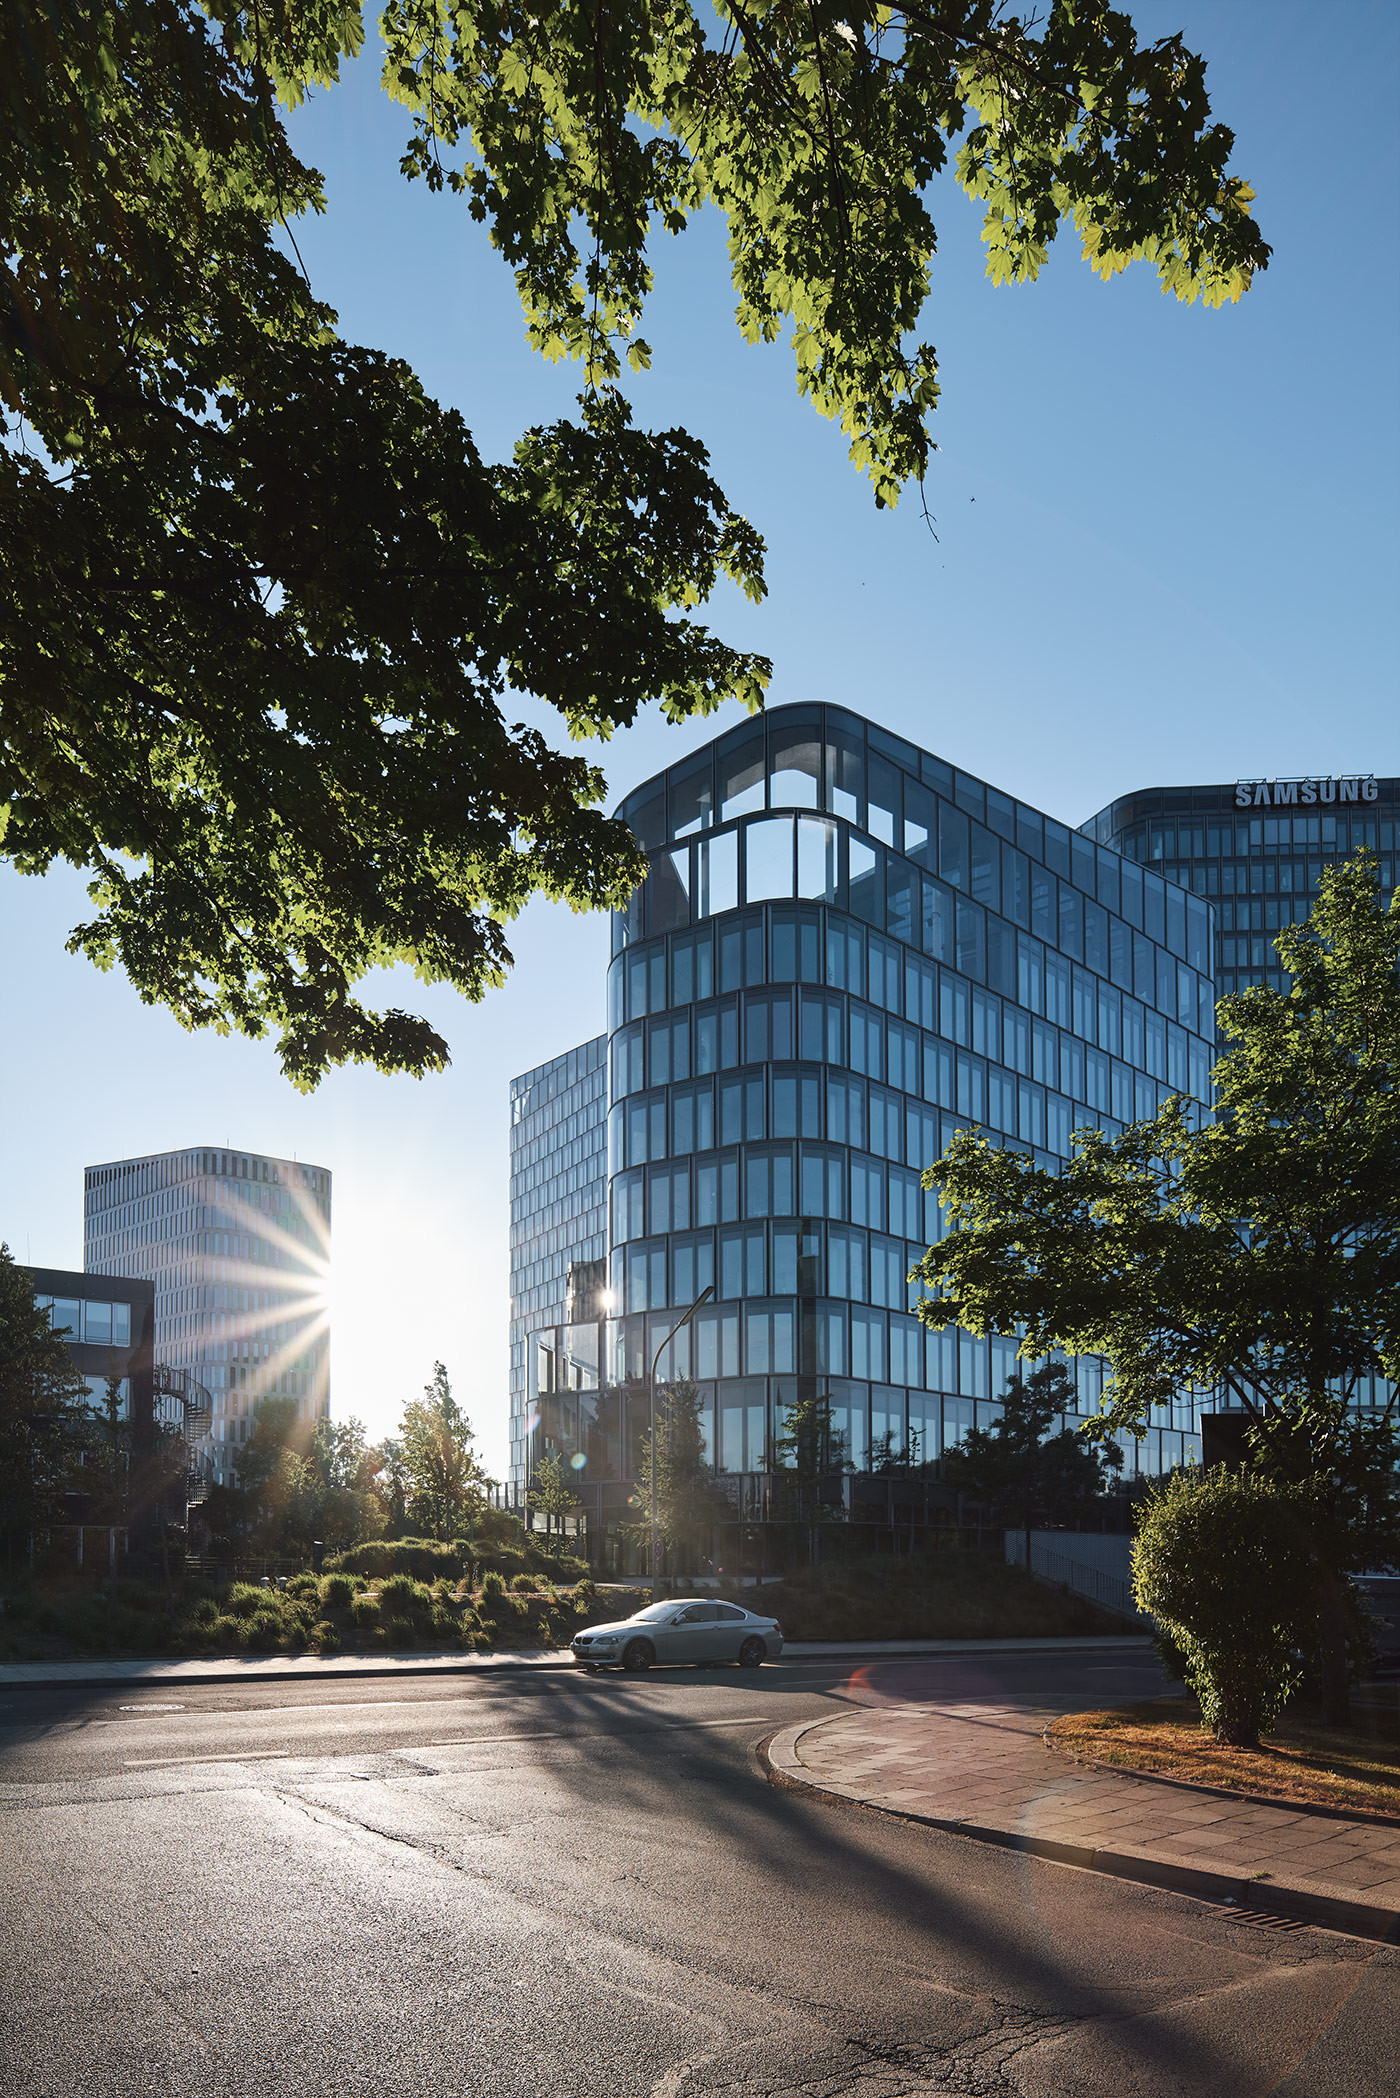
column 262, row 599
column 447, row 1486
column 1255, row 1256
column 43, row 1406
column 1022, row 1471
column 1222, row 1561
column 575, row 130
column 263, row 602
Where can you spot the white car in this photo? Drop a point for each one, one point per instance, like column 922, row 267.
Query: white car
column 679, row 1632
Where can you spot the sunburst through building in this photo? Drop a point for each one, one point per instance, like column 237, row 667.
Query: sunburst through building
column 238, row 1247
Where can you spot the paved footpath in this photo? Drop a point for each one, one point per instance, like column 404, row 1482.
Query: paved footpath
column 984, row 1771
column 165, row 1668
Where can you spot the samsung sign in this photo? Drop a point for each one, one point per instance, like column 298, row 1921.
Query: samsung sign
column 1303, row 793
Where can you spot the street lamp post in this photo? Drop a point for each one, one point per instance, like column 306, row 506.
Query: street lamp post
column 683, row 1320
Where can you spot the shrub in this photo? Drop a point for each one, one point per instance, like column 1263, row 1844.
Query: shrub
column 399, row 1631
column 402, row 1596
column 526, row 1584
column 365, row 1610
column 245, row 1599
column 325, row 1637
column 492, row 1587
column 338, row 1591
column 1222, row 1562
column 304, row 1584
column 265, row 1631
column 419, row 1557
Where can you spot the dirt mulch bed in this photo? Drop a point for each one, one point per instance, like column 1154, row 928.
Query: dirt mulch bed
column 1354, row 1771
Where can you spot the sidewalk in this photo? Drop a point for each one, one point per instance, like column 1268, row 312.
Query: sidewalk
column 92, row 1675
column 984, row 1771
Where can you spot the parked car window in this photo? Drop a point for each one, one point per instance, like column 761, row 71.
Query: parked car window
column 727, row 1614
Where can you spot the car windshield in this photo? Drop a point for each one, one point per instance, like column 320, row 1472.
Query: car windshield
column 653, row 1613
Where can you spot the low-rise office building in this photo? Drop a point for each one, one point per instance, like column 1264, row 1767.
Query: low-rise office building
column 109, row 1321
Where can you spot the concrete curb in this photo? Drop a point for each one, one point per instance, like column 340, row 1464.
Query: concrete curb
column 166, row 1669
column 1355, row 1919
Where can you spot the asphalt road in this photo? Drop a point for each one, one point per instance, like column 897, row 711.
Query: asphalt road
column 571, row 1886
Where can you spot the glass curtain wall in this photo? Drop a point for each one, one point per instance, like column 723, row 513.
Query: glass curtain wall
column 846, row 951
column 1259, row 867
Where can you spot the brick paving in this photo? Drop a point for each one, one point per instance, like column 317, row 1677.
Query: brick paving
column 986, row 1768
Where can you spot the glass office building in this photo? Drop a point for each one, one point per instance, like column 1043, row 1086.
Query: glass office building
column 238, row 1247
column 1255, row 850
column 847, row 950
column 558, row 1224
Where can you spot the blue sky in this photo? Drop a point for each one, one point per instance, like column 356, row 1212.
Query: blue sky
column 1166, row 550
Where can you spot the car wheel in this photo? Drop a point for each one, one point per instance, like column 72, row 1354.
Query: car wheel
column 638, row 1655
column 752, row 1654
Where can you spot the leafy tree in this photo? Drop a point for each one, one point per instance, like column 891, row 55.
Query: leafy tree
column 552, row 1492
column 446, row 1484
column 273, row 1477
column 1023, row 1471
column 341, row 1506
column 43, row 1406
column 392, row 1482
column 816, row 129
column 688, row 1501
column 263, row 600
column 1222, row 1561
column 1257, row 1256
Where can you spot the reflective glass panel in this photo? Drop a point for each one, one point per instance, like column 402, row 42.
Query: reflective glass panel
column 768, row 858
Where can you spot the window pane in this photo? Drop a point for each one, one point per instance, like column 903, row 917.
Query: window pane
column 865, row 885
column 718, row 884
column 845, row 765
column 692, row 800
column 795, row 776
column 768, row 858
column 816, row 859
column 884, row 816
column 741, row 777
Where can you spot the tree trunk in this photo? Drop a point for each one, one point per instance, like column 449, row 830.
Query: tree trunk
column 1336, row 1689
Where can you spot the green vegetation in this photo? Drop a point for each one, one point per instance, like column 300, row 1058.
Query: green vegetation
column 1223, row 1561
column 337, row 1613
column 1255, row 1256
column 267, row 609
column 944, row 1595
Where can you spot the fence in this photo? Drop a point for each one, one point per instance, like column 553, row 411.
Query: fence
column 1091, row 1565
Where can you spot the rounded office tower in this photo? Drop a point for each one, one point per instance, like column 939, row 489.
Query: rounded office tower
column 845, row 951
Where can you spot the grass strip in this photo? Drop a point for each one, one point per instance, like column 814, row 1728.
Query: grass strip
column 1356, row 1770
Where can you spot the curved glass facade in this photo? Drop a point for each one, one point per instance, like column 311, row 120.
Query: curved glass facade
column 846, row 950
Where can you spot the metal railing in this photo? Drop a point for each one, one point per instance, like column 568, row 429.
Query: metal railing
column 1110, row 1591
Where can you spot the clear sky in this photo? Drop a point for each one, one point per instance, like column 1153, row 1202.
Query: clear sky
column 1166, row 551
